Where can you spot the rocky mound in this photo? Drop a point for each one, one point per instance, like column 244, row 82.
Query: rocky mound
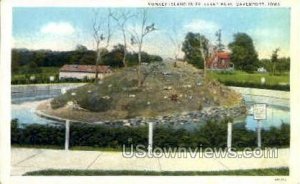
column 167, row 89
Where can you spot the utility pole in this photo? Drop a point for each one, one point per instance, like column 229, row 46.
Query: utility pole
column 220, row 46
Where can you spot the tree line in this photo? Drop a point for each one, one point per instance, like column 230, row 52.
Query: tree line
column 29, row 61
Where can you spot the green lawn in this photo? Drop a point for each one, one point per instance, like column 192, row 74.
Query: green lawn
column 41, row 77
column 243, row 79
column 43, row 70
column 252, row 172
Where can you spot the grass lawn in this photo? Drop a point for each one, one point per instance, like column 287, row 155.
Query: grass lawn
column 40, row 77
column 243, row 79
column 252, row 172
column 78, row 148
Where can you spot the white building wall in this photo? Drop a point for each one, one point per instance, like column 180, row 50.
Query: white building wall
column 80, row 75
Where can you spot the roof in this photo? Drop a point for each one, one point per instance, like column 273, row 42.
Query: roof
column 223, row 55
column 85, row 68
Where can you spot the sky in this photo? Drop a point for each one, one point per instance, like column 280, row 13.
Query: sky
column 62, row 29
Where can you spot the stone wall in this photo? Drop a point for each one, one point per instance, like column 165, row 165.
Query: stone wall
column 211, row 113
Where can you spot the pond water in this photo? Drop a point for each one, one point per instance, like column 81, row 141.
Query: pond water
column 24, row 105
column 278, row 111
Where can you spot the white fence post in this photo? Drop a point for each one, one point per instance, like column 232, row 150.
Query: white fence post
column 150, row 137
column 258, row 134
column 229, row 135
column 67, row 135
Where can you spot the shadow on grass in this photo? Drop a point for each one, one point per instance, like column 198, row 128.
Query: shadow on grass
column 284, row 171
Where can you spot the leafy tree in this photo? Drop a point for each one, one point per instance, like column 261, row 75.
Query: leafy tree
column 192, row 47
column 88, row 58
column 243, row 53
column 15, row 60
column 39, row 57
column 115, row 57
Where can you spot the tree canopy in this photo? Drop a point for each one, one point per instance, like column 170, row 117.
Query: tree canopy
column 244, row 55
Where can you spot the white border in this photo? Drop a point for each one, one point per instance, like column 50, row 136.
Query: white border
column 6, row 40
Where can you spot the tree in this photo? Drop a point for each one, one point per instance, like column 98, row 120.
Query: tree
column 283, row 65
column 115, row 57
column 274, row 60
column 173, row 36
column 15, row 60
column 101, row 34
column 243, row 53
column 81, row 48
column 121, row 18
column 195, row 48
column 138, row 38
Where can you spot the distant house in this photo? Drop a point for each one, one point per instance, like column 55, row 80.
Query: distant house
column 83, row 71
column 220, row 61
column 261, row 70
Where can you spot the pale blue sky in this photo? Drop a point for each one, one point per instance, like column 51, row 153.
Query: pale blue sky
column 63, row 28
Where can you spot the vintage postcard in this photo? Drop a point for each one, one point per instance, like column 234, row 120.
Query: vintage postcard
column 149, row 88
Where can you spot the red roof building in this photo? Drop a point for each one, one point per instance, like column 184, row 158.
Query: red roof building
column 220, row 61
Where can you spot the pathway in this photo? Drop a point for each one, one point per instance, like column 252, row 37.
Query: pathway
column 25, row 159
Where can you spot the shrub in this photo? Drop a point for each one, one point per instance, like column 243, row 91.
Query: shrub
column 95, row 103
column 60, row 101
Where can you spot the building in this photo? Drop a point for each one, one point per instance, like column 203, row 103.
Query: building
column 262, row 70
column 83, row 71
column 220, row 60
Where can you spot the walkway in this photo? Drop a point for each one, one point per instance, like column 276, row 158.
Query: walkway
column 24, row 160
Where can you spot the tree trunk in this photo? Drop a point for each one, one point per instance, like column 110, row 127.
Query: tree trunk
column 125, row 49
column 139, row 66
column 98, row 61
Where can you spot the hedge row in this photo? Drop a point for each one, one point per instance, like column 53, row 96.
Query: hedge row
column 44, row 80
column 212, row 134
